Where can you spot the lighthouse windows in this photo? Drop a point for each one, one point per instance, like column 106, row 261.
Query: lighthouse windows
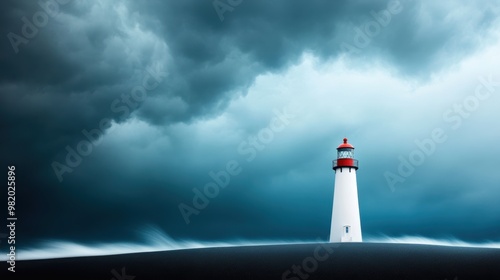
column 345, row 154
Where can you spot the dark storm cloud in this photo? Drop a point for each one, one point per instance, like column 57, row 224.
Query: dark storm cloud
column 88, row 54
column 209, row 61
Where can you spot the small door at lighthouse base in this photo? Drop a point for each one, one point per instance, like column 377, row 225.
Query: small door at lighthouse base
column 346, row 234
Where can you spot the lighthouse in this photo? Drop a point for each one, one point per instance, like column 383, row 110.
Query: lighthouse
column 346, row 224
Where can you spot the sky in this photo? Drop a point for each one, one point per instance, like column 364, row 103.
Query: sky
column 218, row 120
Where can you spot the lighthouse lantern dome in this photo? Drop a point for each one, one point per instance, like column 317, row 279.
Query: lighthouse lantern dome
column 345, row 156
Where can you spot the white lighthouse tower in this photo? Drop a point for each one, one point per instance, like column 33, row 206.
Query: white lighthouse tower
column 346, row 224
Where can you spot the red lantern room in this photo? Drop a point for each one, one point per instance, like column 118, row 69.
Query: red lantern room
column 345, row 156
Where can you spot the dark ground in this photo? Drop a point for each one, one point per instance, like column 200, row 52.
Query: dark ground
column 316, row 261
